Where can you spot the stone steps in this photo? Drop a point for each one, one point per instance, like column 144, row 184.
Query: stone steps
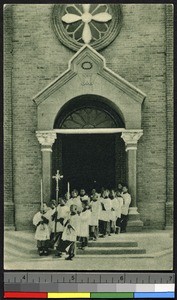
column 110, row 250
column 112, row 244
column 21, row 246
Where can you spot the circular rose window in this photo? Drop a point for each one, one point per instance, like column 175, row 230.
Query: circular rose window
column 93, row 24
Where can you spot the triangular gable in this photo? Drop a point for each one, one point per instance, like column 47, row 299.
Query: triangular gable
column 76, row 67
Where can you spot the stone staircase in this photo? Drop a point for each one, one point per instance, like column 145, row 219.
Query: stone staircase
column 111, row 246
column 21, row 246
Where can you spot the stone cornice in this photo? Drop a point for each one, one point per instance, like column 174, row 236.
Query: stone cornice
column 54, row 86
column 123, row 85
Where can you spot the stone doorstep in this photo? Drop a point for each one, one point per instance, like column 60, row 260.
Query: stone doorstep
column 112, row 244
column 110, row 250
column 127, row 256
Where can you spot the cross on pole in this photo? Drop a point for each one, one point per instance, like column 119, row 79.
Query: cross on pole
column 57, row 177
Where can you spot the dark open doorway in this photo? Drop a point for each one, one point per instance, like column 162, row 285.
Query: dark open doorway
column 88, row 161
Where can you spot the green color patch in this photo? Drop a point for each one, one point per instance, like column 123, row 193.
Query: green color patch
column 112, row 295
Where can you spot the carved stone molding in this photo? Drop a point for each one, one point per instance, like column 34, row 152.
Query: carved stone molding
column 46, row 139
column 131, row 138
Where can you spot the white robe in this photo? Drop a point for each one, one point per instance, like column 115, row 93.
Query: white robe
column 42, row 231
column 75, row 201
column 84, row 223
column 51, row 211
column 113, row 212
column 119, row 206
column 62, row 212
column 126, row 203
column 95, row 212
column 75, row 222
column 69, row 234
column 105, row 215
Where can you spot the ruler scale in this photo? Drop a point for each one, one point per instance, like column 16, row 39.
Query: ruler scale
column 88, row 285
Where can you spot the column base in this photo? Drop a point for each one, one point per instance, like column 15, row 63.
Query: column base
column 9, row 216
column 134, row 223
column 9, row 228
column 169, row 227
column 169, row 215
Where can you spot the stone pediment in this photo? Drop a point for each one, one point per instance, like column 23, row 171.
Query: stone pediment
column 87, row 62
column 87, row 74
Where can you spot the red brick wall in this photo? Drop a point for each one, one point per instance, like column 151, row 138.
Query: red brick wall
column 138, row 54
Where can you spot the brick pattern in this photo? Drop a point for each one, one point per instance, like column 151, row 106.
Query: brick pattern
column 138, row 54
column 169, row 113
column 8, row 171
column 140, row 59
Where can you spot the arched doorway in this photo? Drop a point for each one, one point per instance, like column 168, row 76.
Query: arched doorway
column 89, row 160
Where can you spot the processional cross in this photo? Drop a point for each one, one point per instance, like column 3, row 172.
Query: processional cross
column 57, row 177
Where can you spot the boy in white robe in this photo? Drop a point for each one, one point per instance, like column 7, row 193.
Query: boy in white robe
column 113, row 218
column 42, row 234
column 62, row 213
column 126, row 203
column 75, row 199
column 105, row 214
column 69, row 235
column 119, row 210
column 95, row 210
column 84, row 196
column 84, row 218
column 52, row 211
column 119, row 187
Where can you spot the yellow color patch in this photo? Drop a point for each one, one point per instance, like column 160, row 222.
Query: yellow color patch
column 68, row 295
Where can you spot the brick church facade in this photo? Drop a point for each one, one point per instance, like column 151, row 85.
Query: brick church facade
column 120, row 90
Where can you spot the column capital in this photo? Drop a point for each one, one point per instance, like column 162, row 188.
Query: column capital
column 131, row 138
column 46, row 139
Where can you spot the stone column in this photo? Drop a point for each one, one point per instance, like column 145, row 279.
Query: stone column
column 46, row 139
column 131, row 138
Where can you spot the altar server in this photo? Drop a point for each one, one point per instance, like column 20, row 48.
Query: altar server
column 84, row 217
column 95, row 211
column 104, row 217
column 75, row 199
column 113, row 216
column 62, row 213
column 42, row 235
column 69, row 235
column 118, row 210
column 126, row 203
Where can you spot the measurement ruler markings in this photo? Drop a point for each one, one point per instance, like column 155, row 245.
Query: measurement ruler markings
column 104, row 278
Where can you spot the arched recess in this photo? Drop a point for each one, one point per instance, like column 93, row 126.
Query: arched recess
column 98, row 104
column 89, row 160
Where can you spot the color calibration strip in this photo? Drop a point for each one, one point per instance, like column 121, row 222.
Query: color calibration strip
column 102, row 295
column 33, row 285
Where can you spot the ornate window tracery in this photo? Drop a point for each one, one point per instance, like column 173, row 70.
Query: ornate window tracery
column 88, row 118
column 93, row 24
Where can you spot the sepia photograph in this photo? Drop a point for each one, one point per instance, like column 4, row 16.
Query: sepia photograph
column 88, row 136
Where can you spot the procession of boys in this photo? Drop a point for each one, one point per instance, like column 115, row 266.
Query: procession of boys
column 77, row 218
